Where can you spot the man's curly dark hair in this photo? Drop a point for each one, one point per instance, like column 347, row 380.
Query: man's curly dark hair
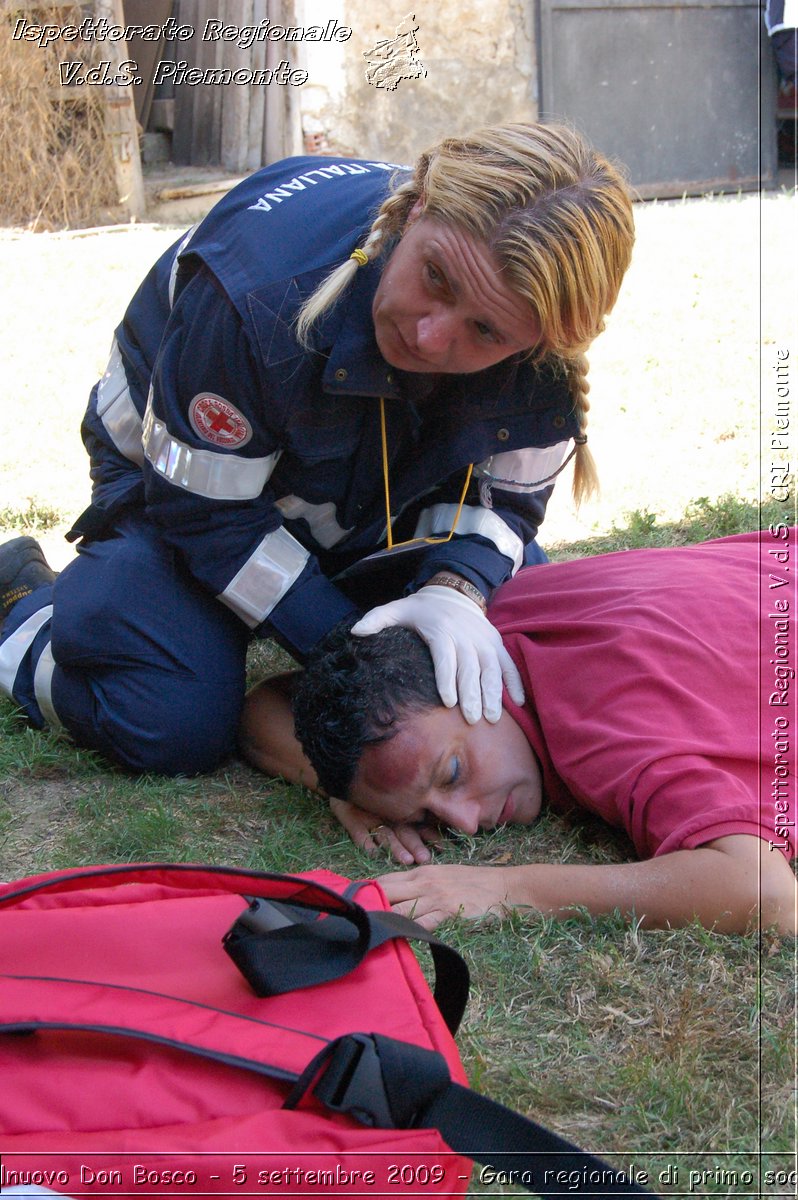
column 355, row 692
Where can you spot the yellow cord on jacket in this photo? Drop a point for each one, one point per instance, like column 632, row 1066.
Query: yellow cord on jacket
column 410, row 541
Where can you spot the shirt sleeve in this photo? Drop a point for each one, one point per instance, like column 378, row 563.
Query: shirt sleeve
column 683, row 801
column 212, row 438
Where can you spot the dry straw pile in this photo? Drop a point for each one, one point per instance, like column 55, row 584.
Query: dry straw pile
column 57, row 166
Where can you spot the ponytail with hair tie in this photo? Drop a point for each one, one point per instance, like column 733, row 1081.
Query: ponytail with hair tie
column 585, row 481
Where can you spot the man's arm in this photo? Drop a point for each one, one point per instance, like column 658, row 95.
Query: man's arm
column 730, row 884
column 266, row 734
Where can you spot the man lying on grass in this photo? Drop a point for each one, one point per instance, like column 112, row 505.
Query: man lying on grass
column 645, row 704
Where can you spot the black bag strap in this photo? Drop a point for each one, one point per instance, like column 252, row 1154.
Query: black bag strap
column 300, row 949
column 390, row 1084
column 377, row 1080
column 278, row 947
column 300, row 890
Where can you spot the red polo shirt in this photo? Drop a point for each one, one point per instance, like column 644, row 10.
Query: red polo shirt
column 659, row 687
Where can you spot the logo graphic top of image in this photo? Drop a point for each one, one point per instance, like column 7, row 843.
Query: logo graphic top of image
column 391, row 60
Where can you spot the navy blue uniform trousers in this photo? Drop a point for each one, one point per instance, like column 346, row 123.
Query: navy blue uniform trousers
column 150, row 669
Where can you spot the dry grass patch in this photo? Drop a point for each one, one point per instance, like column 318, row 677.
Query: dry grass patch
column 57, row 166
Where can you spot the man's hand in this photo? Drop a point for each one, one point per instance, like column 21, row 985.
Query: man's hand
column 431, row 894
column 407, row 844
column 731, row 885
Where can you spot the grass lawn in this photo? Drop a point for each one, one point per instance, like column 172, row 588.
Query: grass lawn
column 671, row 1051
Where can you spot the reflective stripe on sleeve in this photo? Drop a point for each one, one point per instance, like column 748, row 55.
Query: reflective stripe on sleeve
column 438, row 520
column 204, row 472
column 43, row 687
column 265, row 577
column 17, row 645
column 522, row 471
column 116, row 409
column 321, row 518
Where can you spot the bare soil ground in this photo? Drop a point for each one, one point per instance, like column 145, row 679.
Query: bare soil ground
column 682, row 380
column 682, row 398
column 683, row 401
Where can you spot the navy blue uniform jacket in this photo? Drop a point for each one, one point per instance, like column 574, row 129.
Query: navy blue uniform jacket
column 260, row 461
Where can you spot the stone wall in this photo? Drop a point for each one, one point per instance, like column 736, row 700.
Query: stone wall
column 479, row 62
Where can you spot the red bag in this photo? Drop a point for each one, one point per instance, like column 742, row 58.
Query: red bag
column 155, row 1068
column 137, row 1057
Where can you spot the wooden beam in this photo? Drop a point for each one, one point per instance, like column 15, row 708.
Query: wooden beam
column 120, row 118
column 187, row 190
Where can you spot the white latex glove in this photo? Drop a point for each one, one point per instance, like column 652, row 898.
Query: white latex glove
column 470, row 659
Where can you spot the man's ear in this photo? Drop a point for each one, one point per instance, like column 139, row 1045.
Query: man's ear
column 416, row 211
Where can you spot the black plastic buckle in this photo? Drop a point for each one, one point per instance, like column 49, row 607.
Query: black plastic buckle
column 264, row 916
column 352, row 1082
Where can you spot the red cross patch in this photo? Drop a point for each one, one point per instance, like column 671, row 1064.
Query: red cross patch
column 218, row 421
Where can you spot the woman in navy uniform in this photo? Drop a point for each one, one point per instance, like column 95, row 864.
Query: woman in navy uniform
column 346, row 391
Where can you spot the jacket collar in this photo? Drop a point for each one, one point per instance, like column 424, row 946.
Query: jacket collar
column 354, row 363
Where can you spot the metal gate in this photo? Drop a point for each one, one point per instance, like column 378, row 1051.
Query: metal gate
column 683, row 93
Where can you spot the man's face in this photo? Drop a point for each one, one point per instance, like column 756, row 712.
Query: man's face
column 442, row 305
column 440, row 769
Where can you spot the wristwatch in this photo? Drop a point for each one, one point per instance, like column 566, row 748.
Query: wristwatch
column 460, row 585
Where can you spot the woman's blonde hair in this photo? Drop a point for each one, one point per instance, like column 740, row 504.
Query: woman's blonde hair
column 557, row 217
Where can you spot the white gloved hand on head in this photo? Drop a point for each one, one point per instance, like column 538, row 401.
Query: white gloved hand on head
column 470, row 660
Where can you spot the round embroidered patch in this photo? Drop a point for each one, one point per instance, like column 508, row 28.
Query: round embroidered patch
column 218, row 421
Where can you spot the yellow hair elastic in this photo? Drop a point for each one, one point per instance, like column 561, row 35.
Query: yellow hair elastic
column 360, row 257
